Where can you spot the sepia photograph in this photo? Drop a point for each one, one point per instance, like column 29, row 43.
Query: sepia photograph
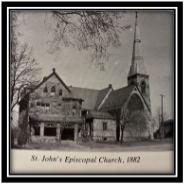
column 93, row 88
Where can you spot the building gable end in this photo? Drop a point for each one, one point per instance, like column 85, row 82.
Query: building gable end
column 47, row 78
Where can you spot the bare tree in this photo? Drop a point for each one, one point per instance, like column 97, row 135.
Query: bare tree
column 24, row 68
column 24, row 72
column 132, row 120
column 116, row 108
column 121, row 116
column 87, row 30
column 63, row 125
column 154, row 124
column 125, row 113
column 158, row 120
column 137, row 123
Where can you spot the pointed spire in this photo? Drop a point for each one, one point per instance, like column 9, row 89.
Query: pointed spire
column 137, row 65
column 137, row 40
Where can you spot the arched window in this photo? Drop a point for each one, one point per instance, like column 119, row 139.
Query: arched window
column 45, row 90
column 53, row 89
column 135, row 103
column 60, row 92
column 143, row 87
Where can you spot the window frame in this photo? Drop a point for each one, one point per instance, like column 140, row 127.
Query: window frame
column 45, row 90
column 60, row 92
column 53, row 89
column 143, row 87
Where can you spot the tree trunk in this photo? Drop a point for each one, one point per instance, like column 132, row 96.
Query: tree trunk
column 61, row 132
column 117, row 131
column 121, row 137
column 122, row 130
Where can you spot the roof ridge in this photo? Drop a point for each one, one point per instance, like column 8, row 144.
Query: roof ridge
column 101, row 96
column 46, row 78
column 104, row 88
column 118, row 97
column 124, row 87
column 83, row 88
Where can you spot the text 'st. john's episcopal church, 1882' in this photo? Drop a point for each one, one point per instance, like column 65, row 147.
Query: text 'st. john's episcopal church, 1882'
column 52, row 106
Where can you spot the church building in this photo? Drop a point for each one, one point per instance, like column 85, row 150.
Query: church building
column 53, row 105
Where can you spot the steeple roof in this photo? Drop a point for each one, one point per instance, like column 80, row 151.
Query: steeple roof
column 137, row 65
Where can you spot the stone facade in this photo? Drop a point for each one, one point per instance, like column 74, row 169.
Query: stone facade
column 51, row 106
column 102, row 129
column 53, row 103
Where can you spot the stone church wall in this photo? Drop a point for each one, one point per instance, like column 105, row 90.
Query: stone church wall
column 40, row 102
column 107, row 135
column 50, row 103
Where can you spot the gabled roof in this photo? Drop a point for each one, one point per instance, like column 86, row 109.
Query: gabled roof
column 118, row 98
column 46, row 78
column 98, row 115
column 101, row 96
column 144, row 99
column 92, row 98
column 88, row 95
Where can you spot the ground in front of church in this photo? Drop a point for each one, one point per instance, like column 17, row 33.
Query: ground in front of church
column 146, row 145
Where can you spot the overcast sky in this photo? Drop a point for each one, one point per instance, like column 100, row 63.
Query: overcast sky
column 156, row 31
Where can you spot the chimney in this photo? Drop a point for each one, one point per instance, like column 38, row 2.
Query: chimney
column 53, row 69
column 110, row 85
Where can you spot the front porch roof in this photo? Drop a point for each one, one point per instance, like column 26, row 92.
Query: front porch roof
column 54, row 118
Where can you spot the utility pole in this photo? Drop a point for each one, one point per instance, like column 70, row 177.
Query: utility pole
column 162, row 109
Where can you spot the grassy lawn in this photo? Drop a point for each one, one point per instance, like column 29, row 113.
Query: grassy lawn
column 147, row 145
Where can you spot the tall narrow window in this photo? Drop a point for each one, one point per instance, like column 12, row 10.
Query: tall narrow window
column 47, row 107
column 45, row 90
column 43, row 107
column 38, row 107
column 143, row 87
column 60, row 92
column 53, row 90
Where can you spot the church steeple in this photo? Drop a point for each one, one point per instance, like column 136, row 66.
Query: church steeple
column 137, row 65
column 137, row 73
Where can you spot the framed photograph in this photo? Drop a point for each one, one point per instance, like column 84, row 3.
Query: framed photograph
column 92, row 91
